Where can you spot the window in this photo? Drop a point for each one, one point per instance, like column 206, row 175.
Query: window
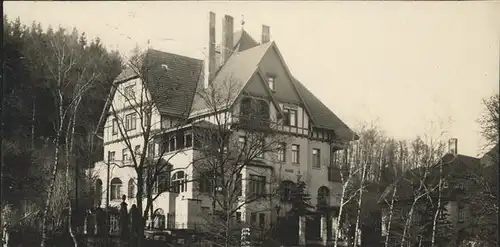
column 151, row 149
column 461, row 214
column 238, row 217
column 281, row 152
column 286, row 190
column 290, row 117
column 114, row 126
column 316, row 157
column 323, row 196
column 253, row 218
column 116, row 189
column 124, row 155
column 129, row 92
column 137, row 149
column 172, row 144
column 188, row 140
column 163, row 181
column 441, row 215
column 262, row 220
column 98, row 190
column 204, row 183
column 239, row 184
column 159, row 219
column 270, row 82
column 179, row 182
column 130, row 121
column 295, row 153
column 257, row 185
column 131, row 188
column 111, row 155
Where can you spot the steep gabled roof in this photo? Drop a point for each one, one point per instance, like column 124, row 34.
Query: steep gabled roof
column 239, row 68
column 172, row 80
column 231, row 78
column 322, row 116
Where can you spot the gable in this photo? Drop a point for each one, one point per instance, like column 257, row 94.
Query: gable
column 271, row 65
column 231, row 78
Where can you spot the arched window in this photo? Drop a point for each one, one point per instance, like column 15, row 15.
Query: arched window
column 323, row 196
column 98, row 191
column 286, row 190
column 178, row 182
column 159, row 219
column 116, row 189
column 131, row 188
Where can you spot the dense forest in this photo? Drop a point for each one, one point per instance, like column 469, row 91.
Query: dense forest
column 55, row 83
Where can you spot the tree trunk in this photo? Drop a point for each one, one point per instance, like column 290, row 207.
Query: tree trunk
column 53, row 173
column 408, row 223
column 33, row 118
column 357, row 229
column 140, row 188
column 337, row 231
column 436, row 214
column 69, row 152
column 228, row 229
column 391, row 209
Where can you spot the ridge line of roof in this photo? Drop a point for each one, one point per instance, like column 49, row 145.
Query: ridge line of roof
column 176, row 54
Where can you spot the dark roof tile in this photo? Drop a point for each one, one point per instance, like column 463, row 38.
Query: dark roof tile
column 172, row 81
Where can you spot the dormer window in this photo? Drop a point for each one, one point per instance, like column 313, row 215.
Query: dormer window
column 270, row 82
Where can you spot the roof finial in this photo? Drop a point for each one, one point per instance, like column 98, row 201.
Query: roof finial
column 242, row 21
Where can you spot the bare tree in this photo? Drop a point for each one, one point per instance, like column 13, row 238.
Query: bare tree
column 393, row 174
column 489, row 120
column 70, row 78
column 424, row 156
column 348, row 172
column 237, row 138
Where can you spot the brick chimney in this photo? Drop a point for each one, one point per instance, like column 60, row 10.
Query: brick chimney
column 210, row 61
column 227, row 38
column 453, row 146
column 266, row 34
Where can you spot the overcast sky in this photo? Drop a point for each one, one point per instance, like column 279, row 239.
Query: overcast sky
column 410, row 67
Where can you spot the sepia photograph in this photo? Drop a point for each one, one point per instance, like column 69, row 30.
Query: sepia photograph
column 250, row 123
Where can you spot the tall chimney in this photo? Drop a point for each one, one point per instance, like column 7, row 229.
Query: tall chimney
column 210, row 61
column 453, row 146
column 266, row 34
column 227, row 38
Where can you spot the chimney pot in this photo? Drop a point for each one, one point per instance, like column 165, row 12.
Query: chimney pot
column 227, row 44
column 266, row 34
